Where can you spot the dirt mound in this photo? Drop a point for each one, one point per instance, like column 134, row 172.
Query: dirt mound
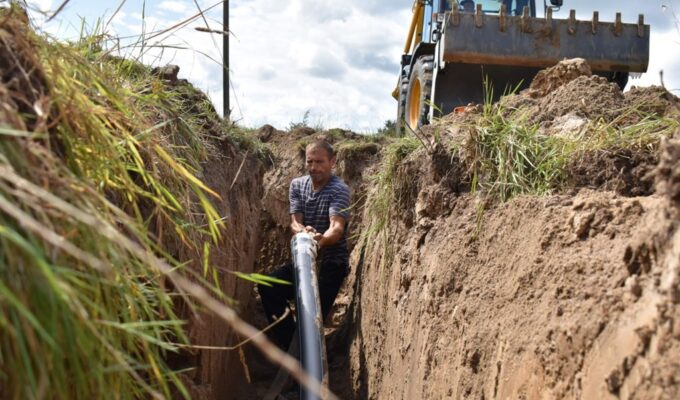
column 547, row 80
column 592, row 97
column 654, row 100
column 571, row 295
column 601, row 138
column 569, row 91
column 589, row 97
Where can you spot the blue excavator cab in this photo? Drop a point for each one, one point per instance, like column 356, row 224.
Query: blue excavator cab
column 514, row 7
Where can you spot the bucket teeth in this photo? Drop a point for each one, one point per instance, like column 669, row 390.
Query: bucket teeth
column 596, row 20
column 572, row 22
column 455, row 16
column 479, row 19
column 641, row 25
column 502, row 17
column 525, row 19
column 618, row 26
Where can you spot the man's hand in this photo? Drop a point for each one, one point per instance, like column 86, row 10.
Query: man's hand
column 333, row 234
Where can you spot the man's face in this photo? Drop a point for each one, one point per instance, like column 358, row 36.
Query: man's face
column 319, row 165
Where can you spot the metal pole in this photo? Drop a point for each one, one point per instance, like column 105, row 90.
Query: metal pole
column 225, row 55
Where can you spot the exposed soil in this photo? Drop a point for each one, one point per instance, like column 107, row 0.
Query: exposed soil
column 573, row 295
column 551, row 79
column 237, row 251
column 624, row 171
column 357, row 159
column 522, row 311
column 566, row 296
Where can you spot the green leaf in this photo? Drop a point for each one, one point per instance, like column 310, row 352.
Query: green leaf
column 260, row 279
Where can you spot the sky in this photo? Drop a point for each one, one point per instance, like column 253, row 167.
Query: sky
column 335, row 61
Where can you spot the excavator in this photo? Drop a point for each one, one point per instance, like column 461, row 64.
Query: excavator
column 462, row 52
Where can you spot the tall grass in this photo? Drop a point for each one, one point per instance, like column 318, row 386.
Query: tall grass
column 382, row 203
column 102, row 150
column 508, row 156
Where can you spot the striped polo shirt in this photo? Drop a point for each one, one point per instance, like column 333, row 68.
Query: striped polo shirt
column 318, row 207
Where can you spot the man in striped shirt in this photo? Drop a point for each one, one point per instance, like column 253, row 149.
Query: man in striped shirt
column 319, row 204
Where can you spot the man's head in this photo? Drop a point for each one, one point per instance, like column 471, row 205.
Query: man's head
column 320, row 159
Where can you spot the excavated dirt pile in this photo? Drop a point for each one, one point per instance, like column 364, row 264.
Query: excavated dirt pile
column 573, row 294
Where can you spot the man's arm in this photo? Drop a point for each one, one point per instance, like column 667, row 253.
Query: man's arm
column 334, row 232
column 297, row 225
column 296, row 208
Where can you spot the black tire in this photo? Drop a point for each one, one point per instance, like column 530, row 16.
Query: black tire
column 401, row 108
column 417, row 105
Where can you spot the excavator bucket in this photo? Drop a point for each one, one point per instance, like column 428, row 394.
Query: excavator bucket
column 509, row 50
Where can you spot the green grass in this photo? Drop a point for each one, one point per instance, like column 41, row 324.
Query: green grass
column 246, row 139
column 103, row 151
column 382, row 204
column 508, row 157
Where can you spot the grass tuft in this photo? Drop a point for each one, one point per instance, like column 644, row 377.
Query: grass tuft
column 508, row 157
column 383, row 200
column 106, row 151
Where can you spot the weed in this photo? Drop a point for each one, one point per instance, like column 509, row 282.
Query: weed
column 246, row 139
column 105, row 179
column 508, row 156
column 382, row 201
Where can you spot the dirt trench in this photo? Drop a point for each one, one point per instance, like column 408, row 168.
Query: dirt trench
column 357, row 160
column 574, row 295
column 566, row 296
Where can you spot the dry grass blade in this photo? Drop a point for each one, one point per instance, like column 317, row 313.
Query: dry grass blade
column 59, row 9
column 210, row 30
column 86, row 216
column 184, row 22
column 197, row 292
column 120, row 6
column 50, row 236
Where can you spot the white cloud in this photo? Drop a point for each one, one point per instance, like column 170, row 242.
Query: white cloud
column 174, row 6
column 664, row 53
column 337, row 59
column 42, row 5
column 320, row 54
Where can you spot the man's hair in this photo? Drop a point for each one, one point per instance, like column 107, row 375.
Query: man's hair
column 322, row 145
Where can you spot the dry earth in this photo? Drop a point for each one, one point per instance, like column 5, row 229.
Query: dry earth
column 574, row 295
column 568, row 296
